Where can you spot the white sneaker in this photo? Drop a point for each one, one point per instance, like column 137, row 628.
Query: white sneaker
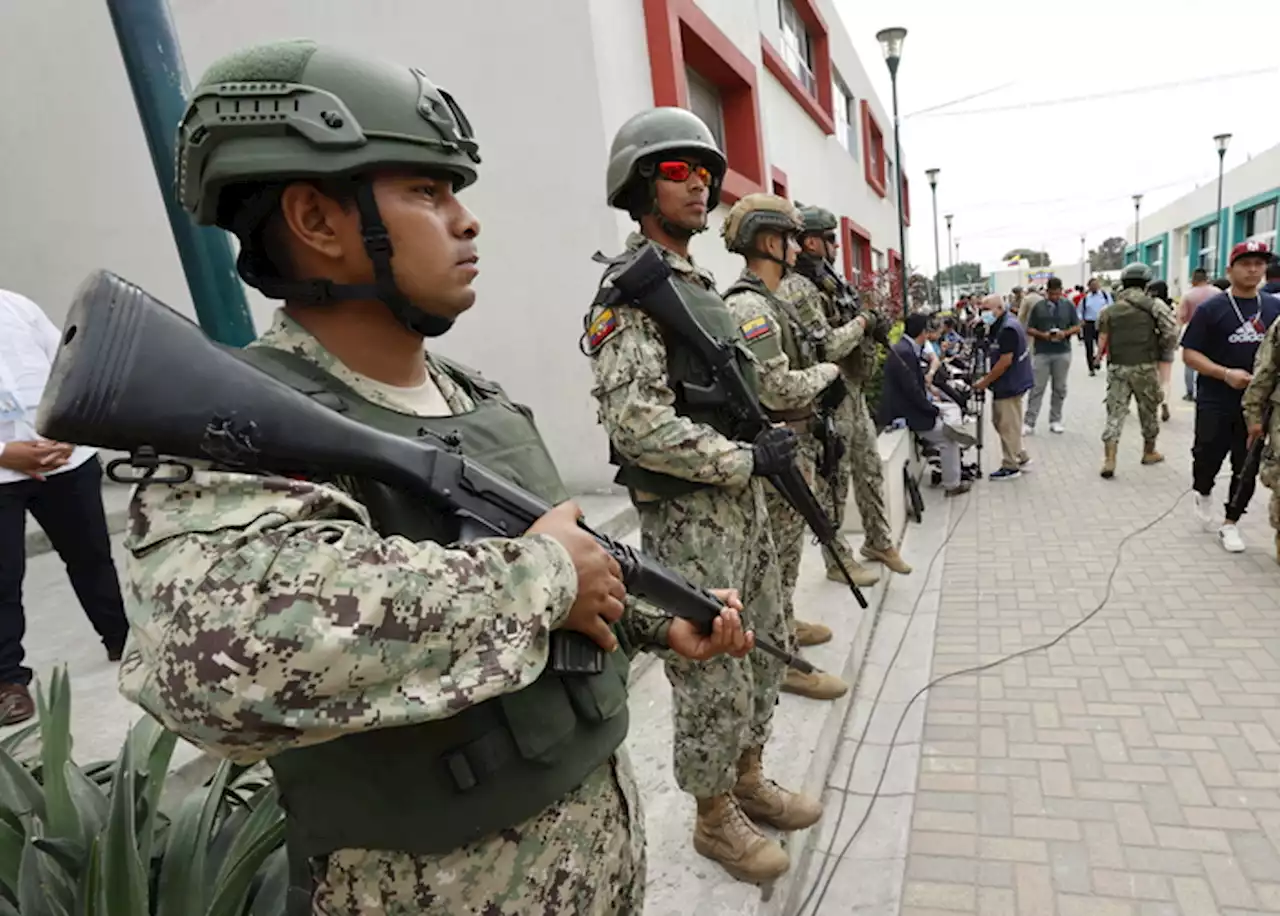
column 1057, row 428
column 1229, row 538
column 1204, row 510
column 1028, row 430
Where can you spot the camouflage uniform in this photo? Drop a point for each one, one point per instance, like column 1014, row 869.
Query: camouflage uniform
column 267, row 614
column 718, row 536
column 1127, row 378
column 855, row 351
column 783, row 388
column 1264, row 390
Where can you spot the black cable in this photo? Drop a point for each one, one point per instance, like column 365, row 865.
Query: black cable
column 975, row 669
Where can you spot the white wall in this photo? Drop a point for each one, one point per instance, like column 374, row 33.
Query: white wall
column 1259, row 174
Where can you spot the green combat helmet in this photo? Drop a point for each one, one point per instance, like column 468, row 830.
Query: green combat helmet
column 1135, row 273
column 639, row 143
column 268, row 115
column 817, row 220
column 754, row 213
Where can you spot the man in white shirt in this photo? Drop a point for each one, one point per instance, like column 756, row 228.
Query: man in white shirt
column 61, row 486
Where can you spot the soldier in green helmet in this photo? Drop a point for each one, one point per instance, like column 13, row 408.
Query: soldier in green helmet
column 698, row 490
column 829, row 308
column 1133, row 332
column 394, row 679
column 763, row 228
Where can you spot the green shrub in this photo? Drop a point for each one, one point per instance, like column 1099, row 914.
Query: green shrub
column 875, row 383
column 92, row 841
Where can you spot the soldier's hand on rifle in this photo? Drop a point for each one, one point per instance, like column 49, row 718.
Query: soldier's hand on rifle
column 1255, row 433
column 775, row 450
column 727, row 636
column 600, row 588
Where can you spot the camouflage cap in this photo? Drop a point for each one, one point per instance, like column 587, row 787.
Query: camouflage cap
column 755, row 212
column 816, row 219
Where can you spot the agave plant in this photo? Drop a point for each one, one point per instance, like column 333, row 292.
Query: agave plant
column 94, row 842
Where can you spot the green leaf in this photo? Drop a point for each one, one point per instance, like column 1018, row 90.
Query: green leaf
column 38, row 892
column 266, row 814
column 183, row 884
column 273, row 892
column 11, row 743
column 55, row 750
column 234, row 882
column 91, row 803
column 162, row 745
column 11, row 846
column 7, row 908
column 68, row 854
column 89, row 897
column 124, row 882
column 19, row 791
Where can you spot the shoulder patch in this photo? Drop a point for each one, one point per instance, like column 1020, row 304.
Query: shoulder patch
column 757, row 328
column 602, row 328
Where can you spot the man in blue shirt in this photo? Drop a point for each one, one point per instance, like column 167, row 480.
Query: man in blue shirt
column 1220, row 344
column 1091, row 306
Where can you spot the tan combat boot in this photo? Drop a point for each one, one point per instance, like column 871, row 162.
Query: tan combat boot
column 1109, row 462
column 766, row 802
column 811, row 634
column 861, row 576
column 1149, row 453
column 817, row 685
column 889, row 557
column 723, row 834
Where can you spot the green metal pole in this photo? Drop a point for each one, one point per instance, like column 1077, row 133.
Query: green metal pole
column 153, row 60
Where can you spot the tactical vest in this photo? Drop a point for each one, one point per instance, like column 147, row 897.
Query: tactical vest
column 693, row 383
column 430, row 788
column 841, row 306
column 1019, row 378
column 1131, row 333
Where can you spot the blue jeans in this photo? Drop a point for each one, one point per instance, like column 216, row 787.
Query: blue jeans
column 1189, row 377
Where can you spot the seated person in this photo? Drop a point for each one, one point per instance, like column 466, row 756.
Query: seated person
column 905, row 396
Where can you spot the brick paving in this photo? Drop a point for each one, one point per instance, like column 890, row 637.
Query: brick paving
column 1133, row 769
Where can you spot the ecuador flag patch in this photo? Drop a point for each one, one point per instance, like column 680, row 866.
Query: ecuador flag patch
column 756, row 328
column 600, row 330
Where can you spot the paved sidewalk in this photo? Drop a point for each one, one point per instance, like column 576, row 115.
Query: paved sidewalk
column 1133, row 769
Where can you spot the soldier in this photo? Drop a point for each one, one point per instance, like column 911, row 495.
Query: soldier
column 1134, row 332
column 427, row 759
column 763, row 229
column 829, row 309
column 699, row 491
column 1259, row 403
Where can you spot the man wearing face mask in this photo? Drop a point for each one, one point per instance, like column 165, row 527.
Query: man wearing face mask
column 699, row 491
column 1009, row 379
column 763, row 228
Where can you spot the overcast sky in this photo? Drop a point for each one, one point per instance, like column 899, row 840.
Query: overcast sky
column 1040, row 177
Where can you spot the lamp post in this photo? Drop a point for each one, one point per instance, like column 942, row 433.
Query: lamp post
column 1221, row 141
column 937, row 252
column 951, row 267
column 1083, row 258
column 891, row 43
column 1137, row 208
column 957, row 251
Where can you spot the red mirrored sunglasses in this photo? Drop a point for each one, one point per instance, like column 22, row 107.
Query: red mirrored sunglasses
column 676, row 170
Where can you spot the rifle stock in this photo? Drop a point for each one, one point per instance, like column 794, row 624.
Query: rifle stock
column 132, row 375
column 1252, row 462
column 645, row 282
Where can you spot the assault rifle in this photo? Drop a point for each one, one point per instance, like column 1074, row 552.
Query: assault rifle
column 643, row 280
column 134, row 376
column 1252, row 461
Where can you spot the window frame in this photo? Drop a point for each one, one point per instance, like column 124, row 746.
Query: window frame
column 816, row 100
column 855, row 270
column 873, row 145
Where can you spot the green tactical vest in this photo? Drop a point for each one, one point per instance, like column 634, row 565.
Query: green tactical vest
column 685, row 371
column 431, row 788
column 1132, row 336
column 793, row 338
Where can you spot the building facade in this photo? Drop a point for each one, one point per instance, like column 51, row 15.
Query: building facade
column 777, row 80
column 1191, row 232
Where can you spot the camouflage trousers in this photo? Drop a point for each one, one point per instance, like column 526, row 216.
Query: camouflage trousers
column 720, row 538
column 584, row 854
column 1142, row 383
column 861, row 469
column 1269, row 468
column 789, row 528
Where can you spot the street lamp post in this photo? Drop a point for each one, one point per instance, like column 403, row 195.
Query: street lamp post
column 937, row 252
column 1137, row 209
column 951, row 268
column 1083, row 258
column 1220, row 243
column 891, row 43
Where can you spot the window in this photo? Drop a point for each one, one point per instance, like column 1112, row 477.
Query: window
column 797, row 47
column 876, row 162
column 694, row 65
column 857, row 252
column 1155, row 259
column 846, row 115
column 1260, row 224
column 704, row 101
column 1206, row 247
column 904, row 193
column 877, row 259
column 780, row 183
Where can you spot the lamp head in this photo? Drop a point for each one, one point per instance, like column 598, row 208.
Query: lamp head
column 891, row 43
column 1221, row 142
column 933, row 177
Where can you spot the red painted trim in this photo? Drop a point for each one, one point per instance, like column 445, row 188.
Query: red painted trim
column 895, row 262
column 681, row 35
column 819, row 38
column 850, row 230
column 906, row 197
column 872, row 143
column 774, row 63
column 781, row 186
